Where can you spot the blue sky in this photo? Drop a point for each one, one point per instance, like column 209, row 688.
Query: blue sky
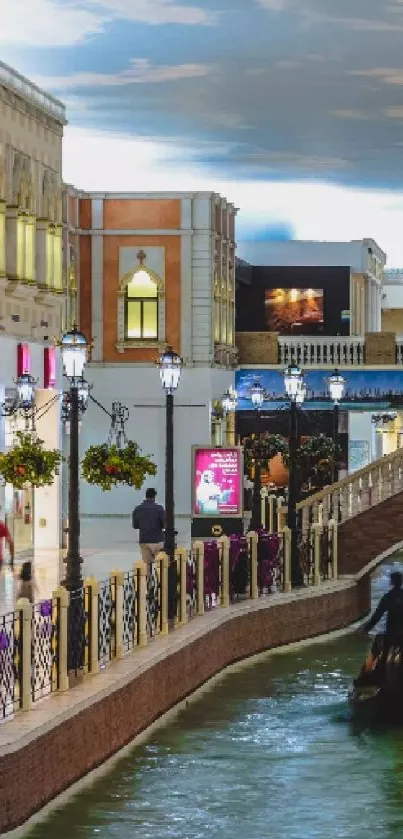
column 291, row 108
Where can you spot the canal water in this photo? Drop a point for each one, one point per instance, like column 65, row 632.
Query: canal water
column 271, row 750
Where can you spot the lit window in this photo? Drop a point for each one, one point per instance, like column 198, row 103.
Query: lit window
column 141, row 321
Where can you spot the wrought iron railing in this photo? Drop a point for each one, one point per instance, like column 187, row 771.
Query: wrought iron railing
column 10, row 663
column 82, row 632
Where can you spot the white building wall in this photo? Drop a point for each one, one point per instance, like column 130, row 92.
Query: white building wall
column 139, row 388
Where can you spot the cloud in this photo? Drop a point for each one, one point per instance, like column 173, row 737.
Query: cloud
column 387, row 75
column 47, row 23
column 349, row 113
column 335, row 213
column 61, row 23
column 302, row 162
column 394, row 113
column 140, row 71
column 157, row 12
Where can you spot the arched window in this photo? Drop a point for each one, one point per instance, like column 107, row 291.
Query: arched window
column 141, row 307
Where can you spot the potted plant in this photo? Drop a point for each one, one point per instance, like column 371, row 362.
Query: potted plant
column 29, row 463
column 108, row 465
column 261, row 448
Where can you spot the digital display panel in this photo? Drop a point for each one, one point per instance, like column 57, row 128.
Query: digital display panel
column 294, row 310
column 217, row 482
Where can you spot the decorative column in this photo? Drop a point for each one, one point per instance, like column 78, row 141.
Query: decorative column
column 12, row 242
column 47, row 499
column 2, row 238
column 41, row 234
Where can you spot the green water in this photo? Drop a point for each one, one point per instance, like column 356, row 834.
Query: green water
column 270, row 752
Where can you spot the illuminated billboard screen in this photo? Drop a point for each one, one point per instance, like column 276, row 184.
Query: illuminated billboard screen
column 294, row 310
column 217, row 481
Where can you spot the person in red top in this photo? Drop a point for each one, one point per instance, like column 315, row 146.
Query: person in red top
column 6, row 535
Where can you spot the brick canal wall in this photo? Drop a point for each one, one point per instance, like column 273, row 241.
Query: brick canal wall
column 71, row 734
column 368, row 535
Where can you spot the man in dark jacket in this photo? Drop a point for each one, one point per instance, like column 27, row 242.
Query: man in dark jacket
column 149, row 519
column 392, row 604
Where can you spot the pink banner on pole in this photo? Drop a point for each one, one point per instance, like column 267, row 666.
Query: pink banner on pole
column 217, row 482
column 49, row 367
column 23, row 359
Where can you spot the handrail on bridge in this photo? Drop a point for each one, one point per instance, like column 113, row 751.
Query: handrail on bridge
column 354, row 494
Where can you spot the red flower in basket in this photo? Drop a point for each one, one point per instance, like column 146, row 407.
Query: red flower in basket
column 112, row 470
column 20, row 470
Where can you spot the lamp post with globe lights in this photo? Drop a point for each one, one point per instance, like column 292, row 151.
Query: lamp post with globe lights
column 336, row 384
column 170, row 367
column 74, row 349
column 295, row 390
column 257, row 396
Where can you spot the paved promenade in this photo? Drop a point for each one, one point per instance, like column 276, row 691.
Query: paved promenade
column 107, row 544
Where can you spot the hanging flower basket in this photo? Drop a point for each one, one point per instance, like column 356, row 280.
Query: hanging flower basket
column 315, row 458
column 29, row 463
column 107, row 466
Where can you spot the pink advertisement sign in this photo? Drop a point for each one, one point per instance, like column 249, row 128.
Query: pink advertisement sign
column 217, row 482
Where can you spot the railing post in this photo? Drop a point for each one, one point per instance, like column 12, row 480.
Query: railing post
column 119, row 579
column 273, row 525
column 26, row 646
column 63, row 598
column 140, row 570
column 286, row 533
column 335, row 548
column 181, row 560
column 224, row 542
column 253, row 540
column 263, row 507
column 199, row 551
column 317, row 531
column 162, row 565
column 92, row 587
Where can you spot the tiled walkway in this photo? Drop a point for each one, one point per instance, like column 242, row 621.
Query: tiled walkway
column 107, row 544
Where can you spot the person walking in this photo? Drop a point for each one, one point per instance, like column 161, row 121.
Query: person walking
column 149, row 519
column 5, row 536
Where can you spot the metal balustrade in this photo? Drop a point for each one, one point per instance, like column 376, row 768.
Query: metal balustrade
column 322, row 351
column 104, row 621
column 353, row 495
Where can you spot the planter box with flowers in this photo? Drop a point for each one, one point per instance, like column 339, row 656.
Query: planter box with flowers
column 108, row 465
column 29, row 463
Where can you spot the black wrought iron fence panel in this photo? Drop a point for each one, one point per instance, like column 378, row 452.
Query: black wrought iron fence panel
column 10, row 663
column 45, row 648
column 278, row 584
column 78, row 638
column 191, row 584
column 305, row 558
column 212, row 575
column 106, row 622
column 239, row 567
column 268, row 559
column 325, row 555
column 153, row 602
column 130, row 610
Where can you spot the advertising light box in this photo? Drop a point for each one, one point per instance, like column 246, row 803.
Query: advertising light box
column 217, row 482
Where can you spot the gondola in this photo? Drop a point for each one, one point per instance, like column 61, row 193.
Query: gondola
column 377, row 692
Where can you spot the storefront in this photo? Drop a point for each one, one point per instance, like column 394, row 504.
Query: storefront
column 32, row 516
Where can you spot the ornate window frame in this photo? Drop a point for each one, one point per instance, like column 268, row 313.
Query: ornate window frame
column 124, row 343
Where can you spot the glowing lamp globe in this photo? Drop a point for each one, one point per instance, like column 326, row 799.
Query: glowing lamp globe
column 25, row 389
column 293, row 382
column 257, row 395
column 170, row 367
column 336, row 384
column 300, row 397
column 229, row 401
column 74, row 349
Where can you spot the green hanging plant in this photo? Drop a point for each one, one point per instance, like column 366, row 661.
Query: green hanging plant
column 29, row 463
column 262, row 447
column 315, row 458
column 108, row 465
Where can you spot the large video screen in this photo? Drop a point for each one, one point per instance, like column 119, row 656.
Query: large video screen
column 294, row 310
column 217, row 482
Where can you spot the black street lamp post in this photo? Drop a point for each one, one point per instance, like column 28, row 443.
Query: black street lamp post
column 294, row 387
column 257, row 396
column 170, row 367
column 74, row 350
column 336, row 384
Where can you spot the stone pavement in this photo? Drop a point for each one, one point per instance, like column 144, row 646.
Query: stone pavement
column 106, row 544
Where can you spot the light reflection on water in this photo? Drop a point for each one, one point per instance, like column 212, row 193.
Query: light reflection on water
column 271, row 750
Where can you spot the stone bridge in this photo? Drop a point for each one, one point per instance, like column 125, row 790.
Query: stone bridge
column 369, row 507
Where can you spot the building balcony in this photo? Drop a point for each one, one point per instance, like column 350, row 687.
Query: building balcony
column 268, row 348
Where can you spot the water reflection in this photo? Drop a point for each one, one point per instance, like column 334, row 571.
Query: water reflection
column 269, row 751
